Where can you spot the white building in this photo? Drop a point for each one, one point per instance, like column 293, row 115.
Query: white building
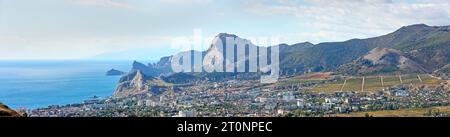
column 300, row 103
column 151, row 103
column 187, row 113
column 288, row 97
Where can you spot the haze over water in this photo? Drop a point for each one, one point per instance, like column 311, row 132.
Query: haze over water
column 36, row 84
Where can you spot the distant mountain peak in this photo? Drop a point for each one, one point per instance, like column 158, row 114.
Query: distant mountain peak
column 415, row 27
column 137, row 65
column 221, row 39
column 147, row 70
column 422, row 27
column 418, row 25
column 224, row 35
column 301, row 43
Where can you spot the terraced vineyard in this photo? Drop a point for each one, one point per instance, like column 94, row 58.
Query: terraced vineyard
column 352, row 84
column 418, row 112
column 375, row 83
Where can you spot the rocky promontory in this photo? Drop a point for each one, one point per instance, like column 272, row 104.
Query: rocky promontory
column 114, row 72
column 5, row 111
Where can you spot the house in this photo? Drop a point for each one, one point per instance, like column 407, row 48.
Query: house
column 270, row 106
column 187, row 113
column 281, row 112
column 300, row 103
column 332, row 100
column 401, row 93
column 288, row 97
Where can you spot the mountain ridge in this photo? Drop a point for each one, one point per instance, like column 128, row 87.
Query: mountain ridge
column 306, row 56
column 415, row 48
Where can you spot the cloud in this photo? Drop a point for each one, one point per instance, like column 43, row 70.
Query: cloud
column 365, row 18
column 69, row 47
column 103, row 3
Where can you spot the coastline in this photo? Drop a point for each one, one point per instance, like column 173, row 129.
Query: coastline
column 39, row 84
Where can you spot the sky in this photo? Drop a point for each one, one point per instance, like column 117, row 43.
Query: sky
column 145, row 29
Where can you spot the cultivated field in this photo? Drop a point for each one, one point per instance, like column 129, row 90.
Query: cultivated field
column 313, row 77
column 419, row 112
column 375, row 83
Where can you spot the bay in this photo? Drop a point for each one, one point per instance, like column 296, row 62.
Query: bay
column 37, row 84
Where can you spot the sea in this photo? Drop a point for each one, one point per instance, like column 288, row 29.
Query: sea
column 39, row 84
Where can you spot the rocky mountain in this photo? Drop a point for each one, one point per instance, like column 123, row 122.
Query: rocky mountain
column 427, row 46
column 149, row 70
column 164, row 65
column 381, row 61
column 138, row 82
column 411, row 49
column 5, row 111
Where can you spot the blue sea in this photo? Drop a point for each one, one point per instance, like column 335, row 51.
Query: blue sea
column 37, row 84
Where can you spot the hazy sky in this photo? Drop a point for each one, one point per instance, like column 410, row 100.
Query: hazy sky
column 144, row 29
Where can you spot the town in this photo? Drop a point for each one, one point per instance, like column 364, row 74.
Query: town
column 250, row 98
